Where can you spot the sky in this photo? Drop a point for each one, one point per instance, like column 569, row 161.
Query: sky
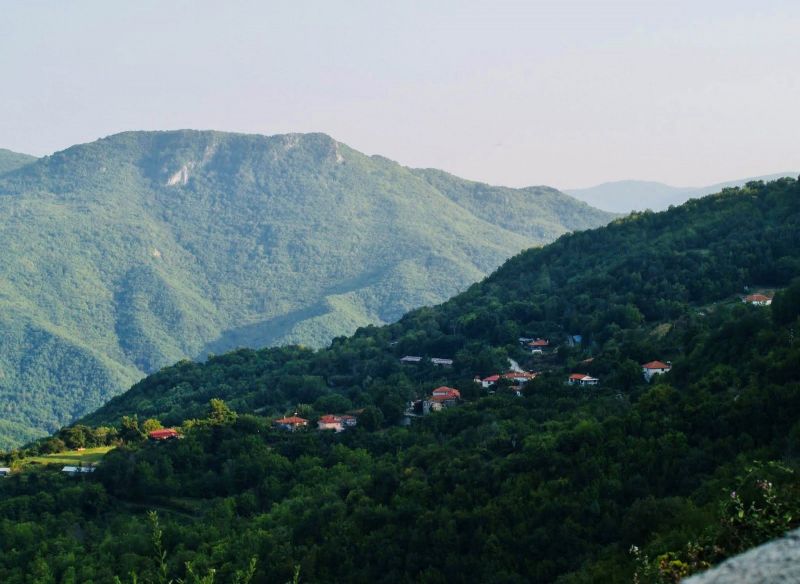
column 564, row 93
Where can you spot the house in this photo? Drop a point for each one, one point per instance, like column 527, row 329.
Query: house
column 445, row 393
column 4, row 471
column 758, row 300
column 488, row 381
column 410, row 359
column 582, row 379
column 335, row 422
column 442, row 362
column 655, row 368
column 519, row 376
column 290, row 423
column 441, row 397
column 538, row 346
column 77, row 470
column 163, row 434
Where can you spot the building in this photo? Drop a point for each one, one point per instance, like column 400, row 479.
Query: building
column 410, row 359
column 441, row 397
column 4, row 471
column 163, row 434
column 582, row 379
column 439, row 362
column 488, row 381
column 758, row 300
column 290, row 423
column 519, row 376
column 335, row 422
column 538, row 346
column 655, row 368
column 77, row 470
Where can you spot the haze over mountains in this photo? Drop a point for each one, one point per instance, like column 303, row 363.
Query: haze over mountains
column 144, row 248
column 624, row 196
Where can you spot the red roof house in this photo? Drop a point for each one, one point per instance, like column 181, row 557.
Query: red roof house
column 582, row 379
column 291, row 423
column 758, row 299
column 163, row 434
column 655, row 368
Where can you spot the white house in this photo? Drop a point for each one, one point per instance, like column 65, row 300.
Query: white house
column 4, row 471
column 442, row 362
column 655, row 368
column 77, row 470
column 582, row 379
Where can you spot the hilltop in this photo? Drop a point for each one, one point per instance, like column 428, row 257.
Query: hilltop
column 141, row 249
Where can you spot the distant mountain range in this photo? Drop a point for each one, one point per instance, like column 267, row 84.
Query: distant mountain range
column 625, row 196
column 135, row 251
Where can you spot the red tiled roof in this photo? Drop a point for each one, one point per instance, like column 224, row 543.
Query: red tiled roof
column 519, row 375
column 330, row 419
column 445, row 393
column 492, row 378
column 577, row 376
column 163, row 434
column 539, row 343
column 757, row 298
column 292, row 420
column 655, row 365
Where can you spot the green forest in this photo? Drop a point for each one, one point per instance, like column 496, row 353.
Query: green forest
column 627, row 481
column 127, row 254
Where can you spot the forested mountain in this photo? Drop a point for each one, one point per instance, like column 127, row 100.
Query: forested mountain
column 12, row 160
column 144, row 248
column 625, row 196
column 627, row 481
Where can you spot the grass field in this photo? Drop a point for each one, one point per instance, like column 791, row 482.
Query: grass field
column 69, row 457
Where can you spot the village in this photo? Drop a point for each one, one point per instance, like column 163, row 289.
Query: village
column 511, row 382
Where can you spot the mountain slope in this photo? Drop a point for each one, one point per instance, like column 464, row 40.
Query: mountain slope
column 637, row 195
column 626, row 481
column 644, row 268
column 12, row 160
column 144, row 248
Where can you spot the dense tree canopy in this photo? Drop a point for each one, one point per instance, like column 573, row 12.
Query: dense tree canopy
column 625, row 480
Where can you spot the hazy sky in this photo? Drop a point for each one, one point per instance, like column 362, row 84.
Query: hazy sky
column 563, row 93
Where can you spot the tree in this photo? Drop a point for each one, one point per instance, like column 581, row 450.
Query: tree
column 219, row 413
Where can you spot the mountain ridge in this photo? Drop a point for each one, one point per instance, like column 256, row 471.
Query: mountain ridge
column 624, row 196
column 144, row 248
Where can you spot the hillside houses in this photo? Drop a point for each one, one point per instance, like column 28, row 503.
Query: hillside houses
column 655, row 368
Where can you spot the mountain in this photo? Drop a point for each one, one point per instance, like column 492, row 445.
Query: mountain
column 12, row 160
column 647, row 267
column 144, row 248
column 637, row 195
column 627, row 481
